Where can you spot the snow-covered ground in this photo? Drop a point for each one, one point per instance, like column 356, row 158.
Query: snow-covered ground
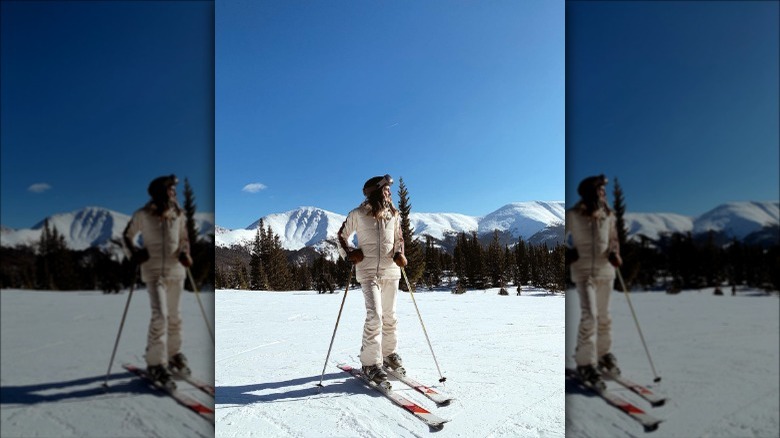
column 55, row 352
column 503, row 357
column 718, row 358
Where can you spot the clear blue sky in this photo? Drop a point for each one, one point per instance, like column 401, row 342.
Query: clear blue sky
column 99, row 98
column 464, row 100
column 679, row 100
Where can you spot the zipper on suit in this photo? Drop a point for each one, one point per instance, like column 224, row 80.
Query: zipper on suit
column 593, row 246
column 165, row 253
column 378, row 247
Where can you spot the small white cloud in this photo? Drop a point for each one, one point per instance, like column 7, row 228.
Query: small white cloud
column 38, row 188
column 253, row 187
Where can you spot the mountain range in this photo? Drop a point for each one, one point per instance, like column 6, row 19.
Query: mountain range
column 739, row 220
column 534, row 221
column 311, row 227
column 317, row 228
column 88, row 227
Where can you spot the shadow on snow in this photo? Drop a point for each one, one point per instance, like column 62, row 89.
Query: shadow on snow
column 247, row 394
column 73, row 390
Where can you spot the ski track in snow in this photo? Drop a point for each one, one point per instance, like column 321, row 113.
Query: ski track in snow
column 479, row 338
column 56, row 348
column 271, row 349
column 718, row 357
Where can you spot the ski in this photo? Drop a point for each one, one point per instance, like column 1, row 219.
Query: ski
column 183, row 399
column 649, row 422
column 418, row 411
column 196, row 382
column 642, row 391
column 439, row 398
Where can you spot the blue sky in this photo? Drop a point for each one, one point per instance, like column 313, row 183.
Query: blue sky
column 678, row 100
column 99, row 98
column 464, row 100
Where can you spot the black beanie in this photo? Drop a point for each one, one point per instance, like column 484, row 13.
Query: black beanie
column 376, row 182
column 588, row 187
column 158, row 188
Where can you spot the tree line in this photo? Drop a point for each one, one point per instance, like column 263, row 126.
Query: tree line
column 51, row 265
column 685, row 261
column 471, row 264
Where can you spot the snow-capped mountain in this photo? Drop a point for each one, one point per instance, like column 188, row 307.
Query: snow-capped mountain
column 88, row 227
column 652, row 225
column 314, row 227
column 738, row 219
column 734, row 219
column 523, row 219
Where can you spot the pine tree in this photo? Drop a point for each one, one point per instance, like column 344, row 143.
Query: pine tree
column 257, row 277
column 412, row 250
column 44, row 278
column 475, row 263
column 460, row 257
column 277, row 272
column 432, row 263
column 494, row 260
column 509, row 265
column 189, row 212
column 619, row 205
column 522, row 276
column 628, row 251
column 202, row 264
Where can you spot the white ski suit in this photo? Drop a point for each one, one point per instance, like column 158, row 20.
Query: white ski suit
column 594, row 237
column 379, row 239
column 164, row 237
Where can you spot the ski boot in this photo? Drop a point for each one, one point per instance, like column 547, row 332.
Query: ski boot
column 161, row 376
column 376, row 374
column 591, row 377
column 393, row 361
column 608, row 364
column 178, row 365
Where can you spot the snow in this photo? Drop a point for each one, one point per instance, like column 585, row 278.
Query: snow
column 88, row 227
column 739, row 218
column 311, row 226
column 437, row 225
column 523, row 219
column 56, row 348
column 718, row 358
column 502, row 356
column 653, row 225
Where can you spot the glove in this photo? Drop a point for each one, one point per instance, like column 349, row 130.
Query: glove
column 355, row 256
column 139, row 256
column 400, row 260
column 615, row 260
column 572, row 255
column 185, row 259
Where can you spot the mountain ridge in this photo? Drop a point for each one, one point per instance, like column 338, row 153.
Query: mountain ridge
column 87, row 227
column 311, row 226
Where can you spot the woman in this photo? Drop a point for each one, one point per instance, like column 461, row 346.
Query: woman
column 378, row 259
column 163, row 258
column 594, row 253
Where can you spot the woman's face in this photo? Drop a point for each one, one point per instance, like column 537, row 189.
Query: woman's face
column 602, row 192
column 388, row 195
column 172, row 192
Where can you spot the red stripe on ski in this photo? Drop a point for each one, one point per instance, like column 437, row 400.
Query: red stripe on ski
column 632, row 409
column 417, row 409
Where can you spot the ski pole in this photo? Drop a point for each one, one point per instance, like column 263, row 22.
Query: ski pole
column 197, row 295
column 408, row 286
column 349, row 280
column 628, row 300
column 122, row 324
